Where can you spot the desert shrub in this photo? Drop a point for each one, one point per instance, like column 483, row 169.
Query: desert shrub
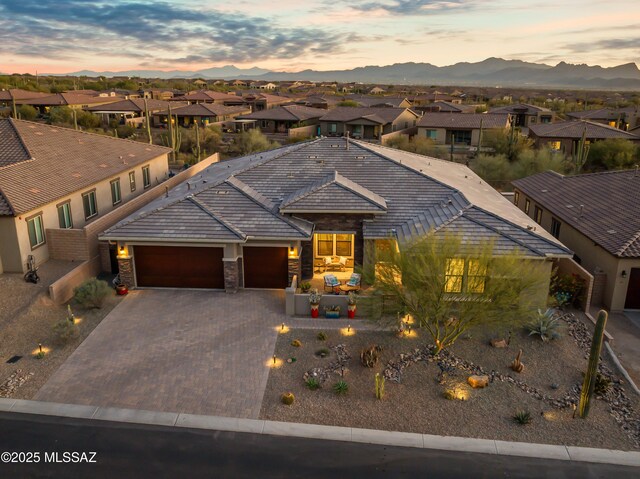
column 546, row 325
column 40, row 355
column 126, row 131
column 65, row 330
column 92, row 293
column 494, row 169
column 88, row 120
column 522, row 417
column 253, row 141
column 612, row 154
column 305, row 286
column 369, row 356
column 296, row 343
column 341, row 387
column 60, row 115
column 322, row 336
column 27, row 112
column 312, row 384
column 348, row 103
column 287, row 398
column 322, row 353
column 603, row 383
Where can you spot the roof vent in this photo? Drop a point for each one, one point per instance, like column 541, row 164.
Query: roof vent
column 611, row 232
column 102, row 165
column 359, row 157
column 320, row 162
column 290, row 175
column 334, row 146
column 545, row 191
column 76, row 175
column 569, row 206
column 529, row 227
column 34, row 190
column 312, row 156
column 222, row 192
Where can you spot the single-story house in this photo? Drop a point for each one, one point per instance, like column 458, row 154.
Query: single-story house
column 129, row 110
column 525, row 115
column 320, row 101
column 427, row 98
column 446, row 107
column 284, row 118
column 565, row 136
column 7, row 97
column 376, row 90
column 366, row 123
column 377, row 101
column 70, row 99
column 264, row 101
column 257, row 221
column 597, row 215
column 460, row 129
column 209, row 96
column 54, row 181
column 623, row 118
column 202, row 113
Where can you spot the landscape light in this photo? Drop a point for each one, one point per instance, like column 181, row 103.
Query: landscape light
column 274, row 359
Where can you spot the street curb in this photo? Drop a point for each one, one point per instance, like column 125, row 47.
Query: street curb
column 316, row 431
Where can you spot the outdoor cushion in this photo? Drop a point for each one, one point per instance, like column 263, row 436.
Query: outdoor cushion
column 327, row 260
column 342, row 261
column 354, row 280
column 331, row 280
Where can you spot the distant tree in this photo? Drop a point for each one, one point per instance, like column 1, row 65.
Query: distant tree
column 505, row 142
column 494, row 169
column 253, row 141
column 27, row 112
column 60, row 115
column 419, row 145
column 530, row 162
column 612, row 154
column 87, row 119
column 449, row 286
column 349, row 103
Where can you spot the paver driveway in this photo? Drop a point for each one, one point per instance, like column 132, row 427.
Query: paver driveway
column 201, row 352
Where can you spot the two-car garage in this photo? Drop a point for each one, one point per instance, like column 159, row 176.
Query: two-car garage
column 203, row 267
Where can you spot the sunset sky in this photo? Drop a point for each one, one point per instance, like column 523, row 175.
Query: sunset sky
column 56, row 36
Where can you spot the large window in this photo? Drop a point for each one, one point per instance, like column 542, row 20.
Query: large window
column 116, row 197
column 555, row 228
column 516, row 198
column 132, row 181
column 537, row 215
column 36, row 231
column 146, row 177
column 333, row 127
column 64, row 215
column 468, row 276
column 432, row 134
column 328, row 244
column 527, row 206
column 89, row 204
column 461, row 136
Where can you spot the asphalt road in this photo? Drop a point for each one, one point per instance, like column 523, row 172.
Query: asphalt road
column 128, row 450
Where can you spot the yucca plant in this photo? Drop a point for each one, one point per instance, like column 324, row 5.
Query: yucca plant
column 312, row 384
column 522, row 417
column 341, row 387
column 546, row 325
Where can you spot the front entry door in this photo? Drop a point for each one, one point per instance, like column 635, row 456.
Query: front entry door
column 633, row 290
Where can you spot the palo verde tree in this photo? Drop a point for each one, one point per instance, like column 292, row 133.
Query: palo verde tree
column 449, row 286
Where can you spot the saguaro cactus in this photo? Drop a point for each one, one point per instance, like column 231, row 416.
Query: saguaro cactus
column 589, row 383
column 582, row 152
column 147, row 120
column 379, row 386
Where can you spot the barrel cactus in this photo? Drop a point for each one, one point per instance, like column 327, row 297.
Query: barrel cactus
column 288, row 398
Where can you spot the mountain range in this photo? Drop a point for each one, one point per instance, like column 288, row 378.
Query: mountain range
column 489, row 72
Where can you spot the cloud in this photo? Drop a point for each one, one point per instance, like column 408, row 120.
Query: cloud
column 412, row 7
column 159, row 31
column 606, row 44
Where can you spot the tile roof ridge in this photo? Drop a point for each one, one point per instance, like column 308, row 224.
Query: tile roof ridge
column 347, row 183
column 131, row 218
column 628, row 244
column 12, row 122
column 286, row 150
column 453, row 218
column 235, row 230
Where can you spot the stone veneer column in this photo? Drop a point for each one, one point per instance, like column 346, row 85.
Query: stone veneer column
column 231, row 275
column 294, row 267
column 125, row 265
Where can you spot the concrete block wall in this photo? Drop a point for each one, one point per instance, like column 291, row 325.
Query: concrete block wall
column 61, row 290
column 570, row 267
column 67, row 244
column 599, row 285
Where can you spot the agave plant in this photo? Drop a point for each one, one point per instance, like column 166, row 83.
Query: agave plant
column 546, row 325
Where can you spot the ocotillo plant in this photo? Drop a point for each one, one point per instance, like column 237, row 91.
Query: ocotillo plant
column 581, row 153
column 147, row 121
column 589, row 383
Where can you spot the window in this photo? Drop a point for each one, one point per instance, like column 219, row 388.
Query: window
column 432, row 134
column 537, row 215
column 555, row 228
column 146, row 177
column 545, row 119
column 461, row 136
column 527, row 206
column 469, row 276
column 36, row 231
column 328, row 244
column 516, row 198
column 132, row 181
column 406, row 125
column 64, row 215
column 333, row 127
column 555, row 145
column 89, row 204
column 115, row 192
column 264, row 124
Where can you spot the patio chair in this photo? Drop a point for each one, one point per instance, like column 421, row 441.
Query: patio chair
column 353, row 284
column 331, row 282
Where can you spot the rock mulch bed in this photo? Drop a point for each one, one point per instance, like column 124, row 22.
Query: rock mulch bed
column 13, row 382
column 321, row 374
column 546, row 388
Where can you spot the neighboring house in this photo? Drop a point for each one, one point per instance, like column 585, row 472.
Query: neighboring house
column 460, row 129
column 525, row 116
column 209, row 96
column 239, row 83
column 622, row 118
column 130, row 111
column 376, row 101
column 263, row 85
column 427, row 98
column 264, row 101
column 7, row 97
column 69, row 99
column 376, row 90
column 257, row 221
column 202, row 114
column 565, row 136
column 320, row 101
column 284, row 118
column 366, row 123
column 446, row 107
column 54, row 179
column 159, row 94
column 597, row 215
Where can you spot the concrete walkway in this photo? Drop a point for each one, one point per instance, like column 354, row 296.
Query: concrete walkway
column 198, row 352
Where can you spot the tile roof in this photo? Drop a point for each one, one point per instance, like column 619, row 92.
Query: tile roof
column 418, row 192
column 575, row 129
column 520, row 108
column 286, row 113
column 62, row 162
column 611, row 114
column 205, row 109
column 333, row 193
column 381, row 115
column 19, row 94
column 132, row 105
column 605, row 207
column 377, row 101
column 468, row 120
column 206, row 95
column 68, row 98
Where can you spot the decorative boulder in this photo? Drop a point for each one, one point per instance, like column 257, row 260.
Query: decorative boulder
column 478, row 381
column 499, row 343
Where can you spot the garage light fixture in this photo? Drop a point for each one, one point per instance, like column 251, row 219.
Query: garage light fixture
column 624, row 273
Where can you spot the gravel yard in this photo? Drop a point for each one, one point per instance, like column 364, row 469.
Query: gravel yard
column 27, row 316
column 417, row 404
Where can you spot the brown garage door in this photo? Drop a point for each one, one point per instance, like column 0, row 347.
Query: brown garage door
column 633, row 290
column 265, row 267
column 179, row 267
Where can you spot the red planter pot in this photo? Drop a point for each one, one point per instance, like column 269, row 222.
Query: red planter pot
column 121, row 290
column 351, row 313
column 315, row 312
